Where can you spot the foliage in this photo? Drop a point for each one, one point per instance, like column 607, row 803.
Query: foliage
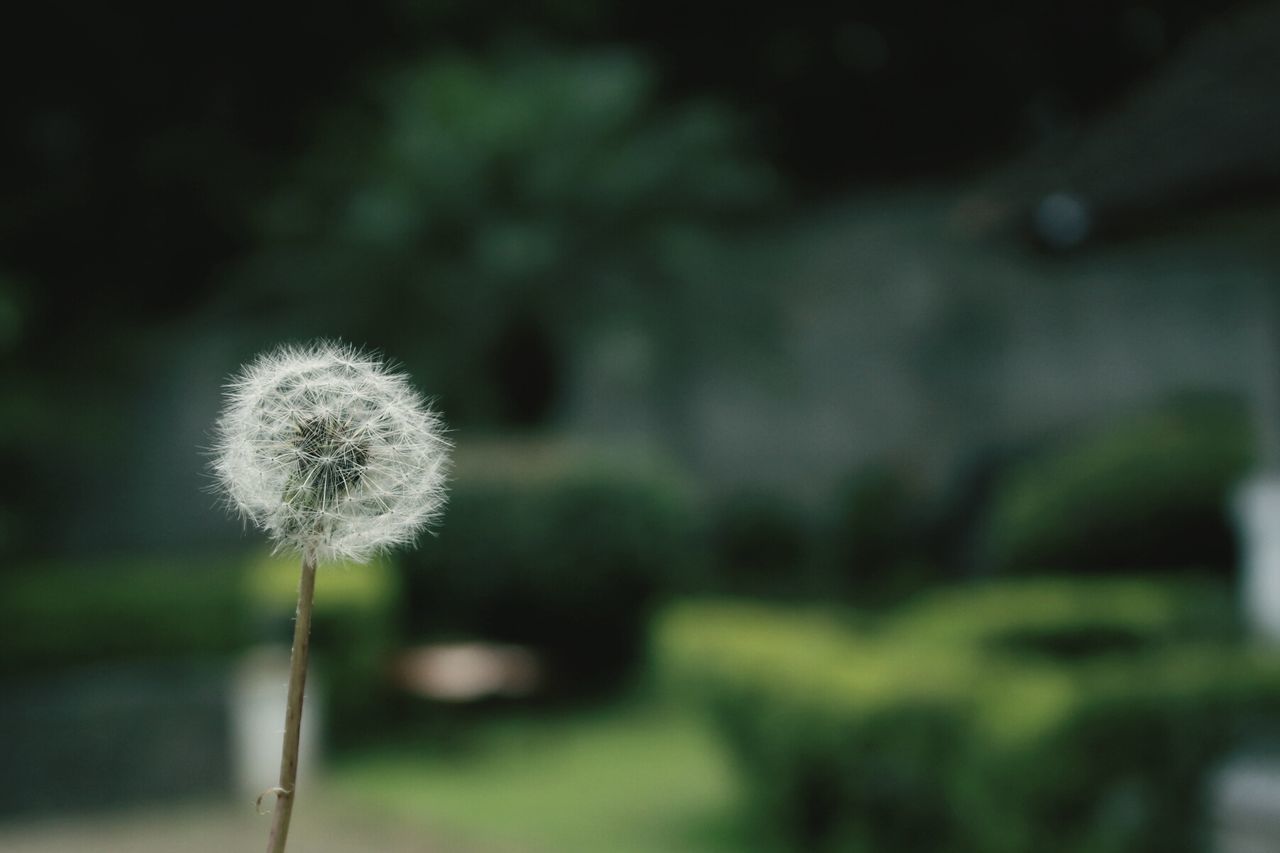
column 529, row 175
column 568, row 558
column 69, row 614
column 1030, row 615
column 79, row 614
column 500, row 203
column 472, row 211
column 1148, row 492
column 760, row 544
column 866, row 543
column 873, row 544
column 1050, row 715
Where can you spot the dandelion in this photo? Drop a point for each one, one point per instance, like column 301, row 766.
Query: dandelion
column 330, row 453
column 335, row 457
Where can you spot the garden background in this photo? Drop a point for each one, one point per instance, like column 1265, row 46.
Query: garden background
column 852, row 406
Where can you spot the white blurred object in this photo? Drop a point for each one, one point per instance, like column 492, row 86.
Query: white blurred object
column 1257, row 510
column 1245, row 806
column 462, row 672
column 259, row 690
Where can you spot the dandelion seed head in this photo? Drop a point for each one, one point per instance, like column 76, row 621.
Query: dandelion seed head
column 326, row 449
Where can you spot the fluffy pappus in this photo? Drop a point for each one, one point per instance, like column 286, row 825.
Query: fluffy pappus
column 329, row 451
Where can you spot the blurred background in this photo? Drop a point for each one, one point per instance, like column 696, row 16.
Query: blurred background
column 866, row 423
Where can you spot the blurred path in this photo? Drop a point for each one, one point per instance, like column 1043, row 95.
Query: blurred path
column 217, row 828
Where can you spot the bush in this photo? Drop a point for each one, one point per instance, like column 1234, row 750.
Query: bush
column 68, row 614
column 1147, row 493
column 866, row 547
column 758, row 542
column 1048, row 716
column 567, row 558
column 1059, row 617
column 874, row 539
column 76, row 614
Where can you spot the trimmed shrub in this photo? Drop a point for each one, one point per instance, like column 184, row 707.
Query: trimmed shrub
column 567, row 558
column 1049, row 716
column 78, row 614
column 68, row 614
column 1065, row 617
column 1147, row 493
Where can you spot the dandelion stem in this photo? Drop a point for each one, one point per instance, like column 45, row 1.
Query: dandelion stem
column 293, row 712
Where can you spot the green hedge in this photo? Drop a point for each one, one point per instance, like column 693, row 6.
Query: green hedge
column 1147, row 492
column 77, row 614
column 73, row 613
column 1048, row 716
column 1064, row 617
column 567, row 557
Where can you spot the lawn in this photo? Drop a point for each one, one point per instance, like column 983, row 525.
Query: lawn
column 635, row 778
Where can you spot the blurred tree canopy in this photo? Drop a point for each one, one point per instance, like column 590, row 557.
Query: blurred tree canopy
column 471, row 216
column 465, row 178
column 141, row 134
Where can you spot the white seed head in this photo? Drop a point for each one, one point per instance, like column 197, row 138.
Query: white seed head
column 328, row 451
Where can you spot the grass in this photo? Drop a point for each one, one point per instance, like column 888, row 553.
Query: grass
column 634, row 778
